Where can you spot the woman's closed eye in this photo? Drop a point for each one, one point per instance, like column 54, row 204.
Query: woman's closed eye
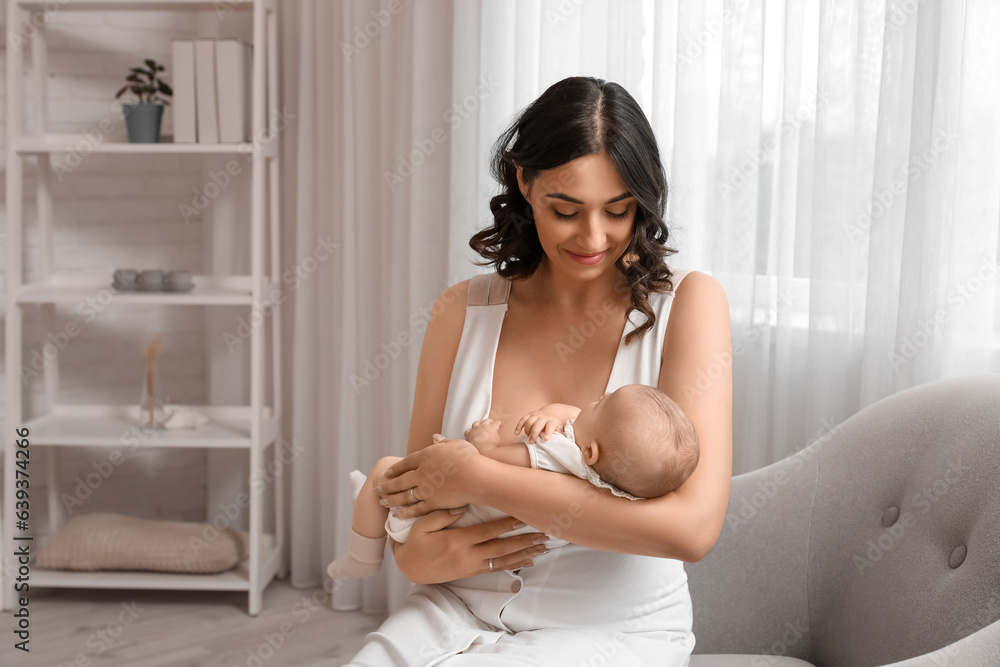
column 611, row 214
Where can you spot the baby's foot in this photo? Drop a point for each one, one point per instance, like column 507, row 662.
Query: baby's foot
column 349, row 567
column 363, row 558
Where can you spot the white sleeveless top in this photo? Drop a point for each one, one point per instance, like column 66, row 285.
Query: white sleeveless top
column 571, row 586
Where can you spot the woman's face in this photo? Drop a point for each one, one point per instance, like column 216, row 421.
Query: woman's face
column 583, row 213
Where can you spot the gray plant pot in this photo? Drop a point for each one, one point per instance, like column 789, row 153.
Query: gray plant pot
column 142, row 121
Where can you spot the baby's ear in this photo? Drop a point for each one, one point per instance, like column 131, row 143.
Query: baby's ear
column 591, row 453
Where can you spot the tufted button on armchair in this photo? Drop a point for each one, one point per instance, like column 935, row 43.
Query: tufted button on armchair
column 879, row 544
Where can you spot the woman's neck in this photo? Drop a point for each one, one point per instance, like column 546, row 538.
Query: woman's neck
column 562, row 293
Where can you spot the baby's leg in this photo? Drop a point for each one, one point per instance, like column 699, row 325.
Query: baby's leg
column 364, row 557
column 369, row 515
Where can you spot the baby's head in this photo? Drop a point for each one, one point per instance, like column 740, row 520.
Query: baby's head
column 639, row 440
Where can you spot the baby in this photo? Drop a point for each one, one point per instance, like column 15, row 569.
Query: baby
column 635, row 441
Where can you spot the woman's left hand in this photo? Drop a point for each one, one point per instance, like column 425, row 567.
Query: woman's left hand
column 439, row 475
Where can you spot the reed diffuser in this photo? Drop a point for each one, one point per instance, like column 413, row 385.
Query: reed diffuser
column 151, row 413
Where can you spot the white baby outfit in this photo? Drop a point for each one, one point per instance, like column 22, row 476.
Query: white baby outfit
column 575, row 606
column 558, row 453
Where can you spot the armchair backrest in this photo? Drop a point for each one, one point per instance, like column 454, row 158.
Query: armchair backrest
column 875, row 544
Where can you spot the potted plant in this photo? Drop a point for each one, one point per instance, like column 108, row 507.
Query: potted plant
column 142, row 119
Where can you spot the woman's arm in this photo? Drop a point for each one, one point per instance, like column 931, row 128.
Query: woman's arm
column 696, row 372
column 437, row 359
column 432, row 554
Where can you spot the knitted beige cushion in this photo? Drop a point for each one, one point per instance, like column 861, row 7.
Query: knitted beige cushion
column 106, row 541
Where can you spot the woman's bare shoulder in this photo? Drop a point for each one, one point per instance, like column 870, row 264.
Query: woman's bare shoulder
column 698, row 287
column 449, row 308
column 700, row 310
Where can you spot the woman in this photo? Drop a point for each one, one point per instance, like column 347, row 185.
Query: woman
column 578, row 306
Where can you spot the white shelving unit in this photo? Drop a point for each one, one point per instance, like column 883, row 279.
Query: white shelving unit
column 254, row 427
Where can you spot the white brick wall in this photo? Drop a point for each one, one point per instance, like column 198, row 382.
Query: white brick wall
column 110, row 212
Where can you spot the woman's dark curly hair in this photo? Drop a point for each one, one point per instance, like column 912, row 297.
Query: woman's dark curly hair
column 575, row 117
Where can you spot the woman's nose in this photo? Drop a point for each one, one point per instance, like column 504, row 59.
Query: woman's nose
column 593, row 235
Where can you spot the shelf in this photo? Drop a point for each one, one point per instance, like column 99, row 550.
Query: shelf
column 79, row 287
column 141, row 5
column 237, row 579
column 117, row 425
column 70, row 143
column 112, row 427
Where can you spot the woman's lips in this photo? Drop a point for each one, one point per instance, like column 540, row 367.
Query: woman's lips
column 588, row 259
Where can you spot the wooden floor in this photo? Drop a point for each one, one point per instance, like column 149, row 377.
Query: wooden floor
column 185, row 629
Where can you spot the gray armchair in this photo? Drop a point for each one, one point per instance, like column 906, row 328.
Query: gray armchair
column 876, row 545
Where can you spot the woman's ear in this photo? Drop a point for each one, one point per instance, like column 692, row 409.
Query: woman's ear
column 521, row 184
column 591, row 453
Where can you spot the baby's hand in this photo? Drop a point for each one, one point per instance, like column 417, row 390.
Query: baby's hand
column 484, row 434
column 540, row 422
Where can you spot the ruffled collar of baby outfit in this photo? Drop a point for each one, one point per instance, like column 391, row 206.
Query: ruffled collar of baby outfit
column 592, row 475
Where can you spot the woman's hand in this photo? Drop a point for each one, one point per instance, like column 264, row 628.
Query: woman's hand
column 432, row 555
column 439, row 476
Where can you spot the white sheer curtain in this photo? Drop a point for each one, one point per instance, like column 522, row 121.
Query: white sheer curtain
column 834, row 168
column 834, row 164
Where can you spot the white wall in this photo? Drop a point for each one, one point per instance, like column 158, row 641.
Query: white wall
column 111, row 212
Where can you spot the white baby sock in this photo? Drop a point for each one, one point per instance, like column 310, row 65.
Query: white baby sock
column 363, row 558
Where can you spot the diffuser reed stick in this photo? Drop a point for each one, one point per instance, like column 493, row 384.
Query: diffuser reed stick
column 152, row 347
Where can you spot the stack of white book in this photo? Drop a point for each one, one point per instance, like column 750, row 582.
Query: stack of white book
column 211, row 101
